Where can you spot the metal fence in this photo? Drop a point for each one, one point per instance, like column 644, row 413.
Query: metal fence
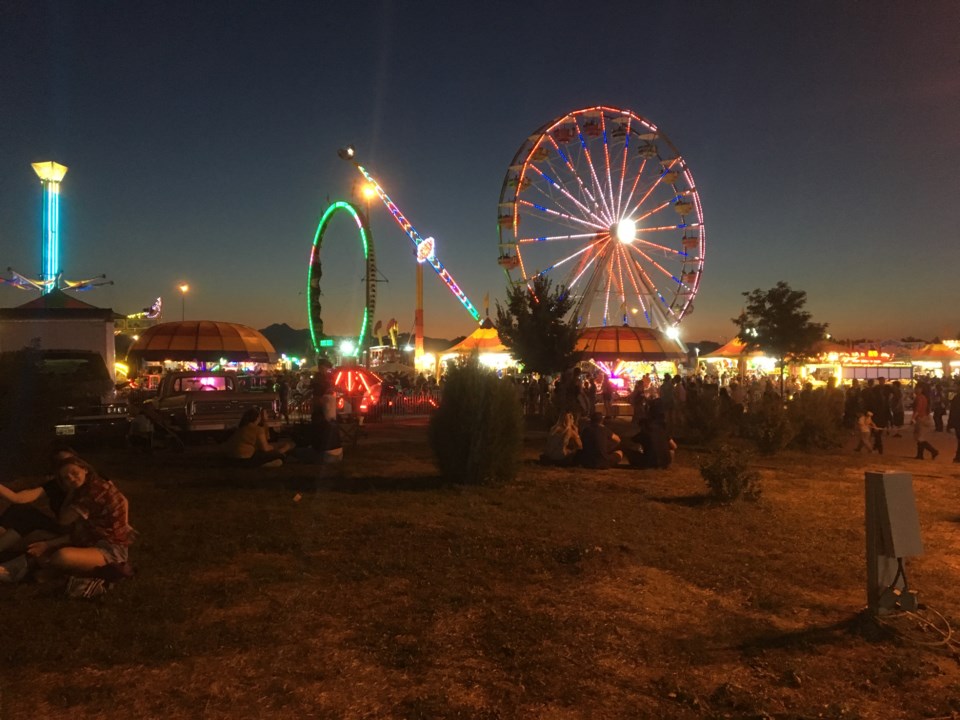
column 395, row 405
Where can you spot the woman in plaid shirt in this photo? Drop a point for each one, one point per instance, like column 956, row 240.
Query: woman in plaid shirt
column 96, row 512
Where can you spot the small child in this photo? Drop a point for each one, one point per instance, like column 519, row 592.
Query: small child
column 865, row 426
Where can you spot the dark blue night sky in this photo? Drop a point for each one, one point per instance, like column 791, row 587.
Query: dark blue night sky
column 201, row 142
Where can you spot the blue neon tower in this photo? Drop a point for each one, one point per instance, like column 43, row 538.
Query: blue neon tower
column 50, row 174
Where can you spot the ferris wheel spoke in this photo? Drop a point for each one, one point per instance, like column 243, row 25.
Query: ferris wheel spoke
column 671, row 228
column 577, row 176
column 656, row 183
column 632, row 274
column 636, row 181
column 658, row 208
column 564, row 261
column 566, row 193
column 593, row 172
column 661, row 308
column 663, row 248
column 606, row 152
column 679, row 282
column 621, row 286
column 623, row 165
column 556, row 215
column 552, row 238
column 590, row 289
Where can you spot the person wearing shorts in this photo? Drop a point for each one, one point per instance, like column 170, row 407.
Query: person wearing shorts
column 96, row 512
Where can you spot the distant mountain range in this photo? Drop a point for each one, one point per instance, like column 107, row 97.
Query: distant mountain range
column 286, row 339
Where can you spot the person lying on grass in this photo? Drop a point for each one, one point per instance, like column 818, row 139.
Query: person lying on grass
column 250, row 445
column 96, row 512
column 23, row 522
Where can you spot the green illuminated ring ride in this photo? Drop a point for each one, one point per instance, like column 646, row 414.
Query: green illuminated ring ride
column 316, row 272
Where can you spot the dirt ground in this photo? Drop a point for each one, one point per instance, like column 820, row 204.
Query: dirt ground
column 374, row 591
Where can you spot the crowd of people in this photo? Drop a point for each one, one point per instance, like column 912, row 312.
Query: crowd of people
column 873, row 408
column 592, row 444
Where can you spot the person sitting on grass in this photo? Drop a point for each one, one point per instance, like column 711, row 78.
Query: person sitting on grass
column 250, row 445
column 99, row 535
column 599, row 444
column 23, row 523
column 655, row 448
column 563, row 442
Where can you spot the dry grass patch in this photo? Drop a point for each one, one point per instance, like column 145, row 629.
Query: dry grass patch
column 382, row 593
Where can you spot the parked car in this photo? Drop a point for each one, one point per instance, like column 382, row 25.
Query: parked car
column 208, row 400
column 68, row 393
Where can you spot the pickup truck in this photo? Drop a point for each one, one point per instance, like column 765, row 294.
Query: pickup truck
column 208, row 400
column 64, row 392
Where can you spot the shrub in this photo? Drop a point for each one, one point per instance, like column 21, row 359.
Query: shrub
column 477, row 432
column 768, row 426
column 815, row 420
column 728, row 476
column 702, row 423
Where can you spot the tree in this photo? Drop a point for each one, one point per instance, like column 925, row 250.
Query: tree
column 532, row 326
column 775, row 322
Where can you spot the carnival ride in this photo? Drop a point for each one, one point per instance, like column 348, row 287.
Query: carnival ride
column 315, row 272
column 425, row 247
column 600, row 201
column 51, row 277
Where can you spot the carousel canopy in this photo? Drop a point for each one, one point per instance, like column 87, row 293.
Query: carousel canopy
column 629, row 344
column 203, row 341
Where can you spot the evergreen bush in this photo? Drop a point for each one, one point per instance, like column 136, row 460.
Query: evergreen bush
column 477, row 432
column 728, row 476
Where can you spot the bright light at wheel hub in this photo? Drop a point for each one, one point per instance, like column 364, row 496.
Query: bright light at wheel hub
column 626, row 231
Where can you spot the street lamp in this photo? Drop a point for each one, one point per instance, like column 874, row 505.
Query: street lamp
column 184, row 288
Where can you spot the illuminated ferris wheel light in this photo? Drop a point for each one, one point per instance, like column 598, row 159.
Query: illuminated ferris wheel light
column 626, row 231
column 673, row 332
column 591, row 200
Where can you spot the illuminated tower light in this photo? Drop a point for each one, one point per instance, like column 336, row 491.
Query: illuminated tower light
column 50, row 174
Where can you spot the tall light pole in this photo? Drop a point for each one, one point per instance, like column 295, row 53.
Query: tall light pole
column 184, row 288
column 50, row 174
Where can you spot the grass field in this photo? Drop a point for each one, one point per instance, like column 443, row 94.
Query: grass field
column 377, row 592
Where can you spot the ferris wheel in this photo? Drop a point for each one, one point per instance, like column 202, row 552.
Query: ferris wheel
column 601, row 202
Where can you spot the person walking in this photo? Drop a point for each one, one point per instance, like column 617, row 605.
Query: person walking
column 876, row 401
column 896, row 407
column 938, row 405
column 953, row 421
column 922, row 422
